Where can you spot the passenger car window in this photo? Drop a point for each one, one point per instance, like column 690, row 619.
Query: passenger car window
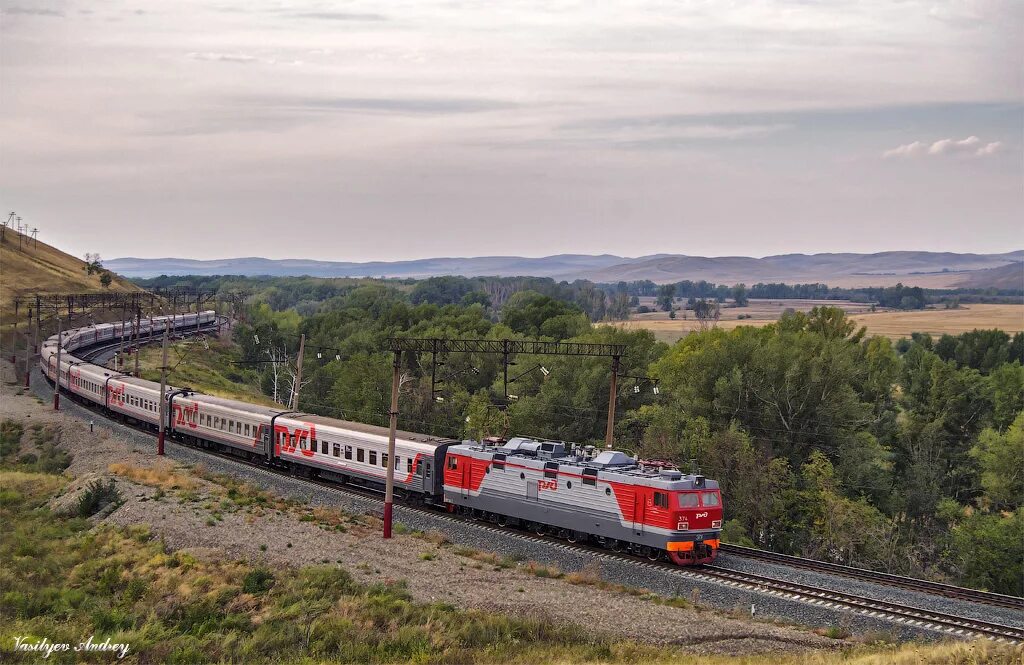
column 709, row 498
column 688, row 500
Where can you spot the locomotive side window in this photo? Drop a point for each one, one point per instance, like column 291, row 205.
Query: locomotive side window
column 709, row 498
column 661, row 499
column 551, row 469
column 499, row 461
column 688, row 500
column 453, row 462
column 590, row 477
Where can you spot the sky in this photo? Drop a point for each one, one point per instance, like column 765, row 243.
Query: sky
column 363, row 131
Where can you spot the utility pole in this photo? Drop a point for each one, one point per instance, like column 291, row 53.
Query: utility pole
column 29, row 348
column 138, row 332
column 120, row 344
column 56, row 383
column 163, row 397
column 389, row 484
column 297, row 386
column 609, row 433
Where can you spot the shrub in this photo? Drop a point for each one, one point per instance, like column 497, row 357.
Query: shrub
column 97, row 496
column 258, row 581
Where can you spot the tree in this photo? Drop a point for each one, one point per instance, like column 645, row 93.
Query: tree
column 93, row 263
column 739, row 295
column 666, row 294
column 707, row 313
column 106, row 278
column 1001, row 459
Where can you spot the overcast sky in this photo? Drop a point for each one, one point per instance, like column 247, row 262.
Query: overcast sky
column 408, row 129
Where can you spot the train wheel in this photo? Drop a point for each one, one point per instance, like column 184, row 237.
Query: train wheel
column 572, row 536
column 502, row 520
column 652, row 554
column 539, row 529
column 616, row 545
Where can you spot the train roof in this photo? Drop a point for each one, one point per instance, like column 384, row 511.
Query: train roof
column 538, row 452
column 237, row 405
column 367, row 429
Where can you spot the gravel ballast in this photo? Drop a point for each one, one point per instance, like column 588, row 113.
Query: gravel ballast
column 735, row 600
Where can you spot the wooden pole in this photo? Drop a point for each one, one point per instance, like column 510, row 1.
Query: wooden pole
column 389, row 485
column 163, row 396
column 609, row 433
column 30, row 349
column 298, row 375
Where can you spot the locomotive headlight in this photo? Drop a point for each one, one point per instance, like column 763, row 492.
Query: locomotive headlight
column 684, row 526
column 716, row 524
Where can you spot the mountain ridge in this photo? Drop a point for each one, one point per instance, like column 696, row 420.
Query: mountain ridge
column 929, row 269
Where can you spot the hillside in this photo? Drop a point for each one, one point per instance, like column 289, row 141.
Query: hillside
column 547, row 266
column 41, row 268
column 1010, row 276
column 927, row 269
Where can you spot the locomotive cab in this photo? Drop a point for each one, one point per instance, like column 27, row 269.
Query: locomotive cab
column 698, row 518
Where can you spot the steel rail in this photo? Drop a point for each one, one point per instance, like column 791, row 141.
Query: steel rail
column 878, row 577
column 880, row 609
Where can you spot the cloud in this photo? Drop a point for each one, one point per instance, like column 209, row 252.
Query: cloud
column 338, row 16
column 394, row 105
column 968, row 146
column 989, row 149
column 945, row 146
column 33, row 11
column 224, row 57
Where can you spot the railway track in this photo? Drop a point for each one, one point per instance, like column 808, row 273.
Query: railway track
column 887, row 610
column 886, row 579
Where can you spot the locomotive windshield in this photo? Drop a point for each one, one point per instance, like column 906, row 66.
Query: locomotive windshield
column 688, row 499
column 709, row 498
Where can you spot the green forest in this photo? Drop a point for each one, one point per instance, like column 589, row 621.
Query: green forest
column 905, row 456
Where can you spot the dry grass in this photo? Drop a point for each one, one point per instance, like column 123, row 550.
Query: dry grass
column 41, row 268
column 162, row 475
column 1009, row 318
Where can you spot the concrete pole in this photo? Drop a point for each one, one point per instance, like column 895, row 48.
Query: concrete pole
column 56, row 383
column 120, row 345
column 163, row 398
column 389, row 485
column 30, row 349
column 609, row 433
column 298, row 375
column 138, row 334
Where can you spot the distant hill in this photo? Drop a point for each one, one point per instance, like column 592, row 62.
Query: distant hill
column 35, row 267
column 561, row 266
column 928, row 269
column 1010, row 276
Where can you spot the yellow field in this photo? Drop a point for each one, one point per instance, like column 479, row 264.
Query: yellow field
column 1009, row 318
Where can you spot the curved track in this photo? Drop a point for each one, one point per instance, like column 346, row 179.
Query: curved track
column 875, row 577
column 900, row 613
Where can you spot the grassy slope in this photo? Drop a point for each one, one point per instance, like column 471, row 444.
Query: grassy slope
column 65, row 579
column 41, row 268
column 207, row 371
